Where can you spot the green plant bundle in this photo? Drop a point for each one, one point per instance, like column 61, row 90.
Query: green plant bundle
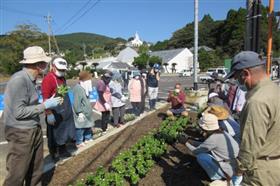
column 62, row 90
column 175, row 93
column 134, row 163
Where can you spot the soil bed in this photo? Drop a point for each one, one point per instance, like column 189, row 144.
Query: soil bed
column 174, row 168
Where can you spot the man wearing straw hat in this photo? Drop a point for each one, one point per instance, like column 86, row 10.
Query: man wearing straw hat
column 22, row 123
column 259, row 156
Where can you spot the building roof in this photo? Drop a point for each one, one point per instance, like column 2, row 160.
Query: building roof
column 113, row 65
column 127, row 55
column 167, row 55
column 206, row 48
column 119, row 65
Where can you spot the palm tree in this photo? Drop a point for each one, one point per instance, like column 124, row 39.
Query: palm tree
column 173, row 67
column 165, row 66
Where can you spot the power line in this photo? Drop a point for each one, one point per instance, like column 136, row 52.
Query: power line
column 74, row 15
column 20, row 12
column 85, row 12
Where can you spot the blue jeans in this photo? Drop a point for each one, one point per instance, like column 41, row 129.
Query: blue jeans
column 211, row 166
column 83, row 134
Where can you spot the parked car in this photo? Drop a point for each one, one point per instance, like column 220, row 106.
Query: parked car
column 185, row 73
column 220, row 72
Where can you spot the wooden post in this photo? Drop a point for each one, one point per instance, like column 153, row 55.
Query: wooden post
column 269, row 39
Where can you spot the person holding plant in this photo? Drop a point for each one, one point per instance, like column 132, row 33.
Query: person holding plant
column 134, row 89
column 217, row 154
column 60, row 121
column 177, row 99
column 118, row 99
column 23, row 131
column 104, row 103
column 83, row 110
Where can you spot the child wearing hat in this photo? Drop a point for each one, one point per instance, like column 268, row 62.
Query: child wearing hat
column 216, row 155
column 83, row 110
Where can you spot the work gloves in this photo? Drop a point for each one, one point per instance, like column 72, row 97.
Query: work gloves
column 52, row 102
column 81, row 118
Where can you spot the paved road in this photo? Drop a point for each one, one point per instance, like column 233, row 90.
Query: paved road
column 166, row 84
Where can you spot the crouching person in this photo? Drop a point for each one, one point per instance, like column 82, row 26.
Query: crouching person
column 83, row 110
column 177, row 99
column 216, row 155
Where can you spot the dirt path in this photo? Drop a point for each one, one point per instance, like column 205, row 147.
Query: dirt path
column 175, row 168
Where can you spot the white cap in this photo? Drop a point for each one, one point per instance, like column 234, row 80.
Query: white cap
column 60, row 63
column 213, row 94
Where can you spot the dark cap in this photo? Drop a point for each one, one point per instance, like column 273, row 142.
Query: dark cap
column 245, row 59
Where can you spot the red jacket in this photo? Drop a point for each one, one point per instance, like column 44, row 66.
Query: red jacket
column 177, row 101
column 50, row 83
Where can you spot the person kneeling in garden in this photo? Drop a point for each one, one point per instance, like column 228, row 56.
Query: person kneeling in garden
column 216, row 155
column 177, row 99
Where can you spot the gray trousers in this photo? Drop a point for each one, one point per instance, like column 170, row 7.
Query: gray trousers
column 24, row 161
column 118, row 113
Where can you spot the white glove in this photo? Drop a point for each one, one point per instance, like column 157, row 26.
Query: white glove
column 123, row 99
column 50, row 119
column 107, row 106
column 81, row 117
column 236, row 180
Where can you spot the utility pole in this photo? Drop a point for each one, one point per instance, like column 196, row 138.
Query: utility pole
column 269, row 39
column 49, row 19
column 253, row 25
column 248, row 39
column 195, row 87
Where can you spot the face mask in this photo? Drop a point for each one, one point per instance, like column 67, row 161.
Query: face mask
column 43, row 71
column 87, row 86
column 137, row 77
column 177, row 90
column 59, row 73
column 156, row 70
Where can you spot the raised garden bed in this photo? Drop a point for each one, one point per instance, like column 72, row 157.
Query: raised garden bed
column 128, row 158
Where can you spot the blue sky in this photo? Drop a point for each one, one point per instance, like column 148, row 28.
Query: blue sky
column 154, row 20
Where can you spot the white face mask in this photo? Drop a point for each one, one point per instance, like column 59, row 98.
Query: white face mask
column 87, row 86
column 137, row 77
column 59, row 73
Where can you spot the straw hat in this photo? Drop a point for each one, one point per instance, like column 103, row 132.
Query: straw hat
column 33, row 55
column 84, row 75
column 209, row 122
column 219, row 111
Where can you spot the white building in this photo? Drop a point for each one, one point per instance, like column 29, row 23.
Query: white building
column 136, row 42
column 183, row 58
column 127, row 55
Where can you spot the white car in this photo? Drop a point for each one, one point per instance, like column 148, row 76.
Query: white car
column 185, row 73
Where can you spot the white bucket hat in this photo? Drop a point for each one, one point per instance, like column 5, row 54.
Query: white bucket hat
column 33, row 55
column 60, row 63
column 209, row 122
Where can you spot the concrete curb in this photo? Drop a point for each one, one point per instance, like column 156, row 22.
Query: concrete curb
column 112, row 131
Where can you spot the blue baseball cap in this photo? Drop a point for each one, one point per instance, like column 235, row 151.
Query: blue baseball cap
column 243, row 60
column 156, row 66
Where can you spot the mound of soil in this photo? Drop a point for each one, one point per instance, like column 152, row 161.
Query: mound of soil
column 172, row 169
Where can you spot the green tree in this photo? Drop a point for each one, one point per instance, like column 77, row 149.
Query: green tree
column 153, row 60
column 13, row 44
column 141, row 61
column 208, row 59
